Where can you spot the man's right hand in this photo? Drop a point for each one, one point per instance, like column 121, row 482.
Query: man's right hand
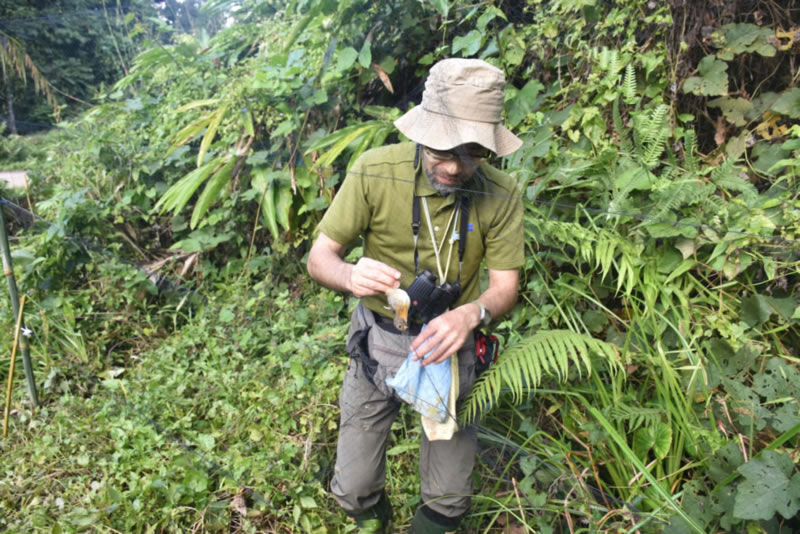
column 366, row 277
column 372, row 277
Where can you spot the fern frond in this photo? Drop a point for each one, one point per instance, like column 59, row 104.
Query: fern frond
column 689, row 149
column 671, row 198
column 654, row 136
column 521, row 368
column 634, row 416
column 629, row 83
column 727, row 178
column 599, row 247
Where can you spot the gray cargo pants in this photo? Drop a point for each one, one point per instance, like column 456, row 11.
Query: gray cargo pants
column 368, row 409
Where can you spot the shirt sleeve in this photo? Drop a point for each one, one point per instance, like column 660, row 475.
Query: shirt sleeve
column 505, row 246
column 349, row 214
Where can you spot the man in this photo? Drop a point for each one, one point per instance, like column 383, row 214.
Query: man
column 416, row 206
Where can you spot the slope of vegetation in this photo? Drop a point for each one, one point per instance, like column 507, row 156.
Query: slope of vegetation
column 189, row 369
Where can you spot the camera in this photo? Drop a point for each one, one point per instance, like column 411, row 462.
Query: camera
column 429, row 299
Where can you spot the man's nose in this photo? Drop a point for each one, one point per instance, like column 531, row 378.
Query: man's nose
column 453, row 166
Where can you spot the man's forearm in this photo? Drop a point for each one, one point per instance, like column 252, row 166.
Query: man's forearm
column 330, row 270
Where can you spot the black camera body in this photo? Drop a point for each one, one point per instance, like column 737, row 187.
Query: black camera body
column 429, row 299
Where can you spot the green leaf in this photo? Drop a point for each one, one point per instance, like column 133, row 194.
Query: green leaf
column 755, row 310
column 176, row 197
column 658, row 438
column 365, row 56
column 522, row 103
column 307, row 502
column 264, row 180
column 767, row 488
column 487, row 16
column 345, row 58
column 713, row 79
column 211, row 192
column 197, row 104
column 468, row 44
column 788, row 104
column 442, row 6
column 734, row 109
column 210, row 133
column 205, row 441
column 195, row 480
column 737, row 39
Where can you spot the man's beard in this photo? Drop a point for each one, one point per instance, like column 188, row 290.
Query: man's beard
column 442, row 189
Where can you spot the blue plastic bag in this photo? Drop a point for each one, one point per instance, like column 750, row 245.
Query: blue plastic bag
column 426, row 389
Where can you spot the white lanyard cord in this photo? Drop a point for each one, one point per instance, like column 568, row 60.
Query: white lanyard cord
column 442, row 274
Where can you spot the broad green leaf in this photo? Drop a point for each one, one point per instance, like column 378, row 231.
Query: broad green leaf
column 468, row 44
column 713, row 79
column 196, row 480
column 767, row 488
column 788, row 104
column 211, row 192
column 734, row 109
column 442, row 6
column 755, row 310
column 307, row 502
column 365, row 56
column 345, row 58
column 283, row 202
column 487, row 16
column 662, row 440
column 744, row 38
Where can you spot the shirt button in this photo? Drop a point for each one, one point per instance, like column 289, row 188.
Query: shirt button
column 435, row 228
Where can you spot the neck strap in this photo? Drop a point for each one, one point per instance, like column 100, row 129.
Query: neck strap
column 461, row 236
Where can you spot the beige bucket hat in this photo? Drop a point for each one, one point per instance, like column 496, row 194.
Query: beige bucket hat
column 462, row 103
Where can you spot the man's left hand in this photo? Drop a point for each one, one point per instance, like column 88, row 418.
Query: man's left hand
column 447, row 333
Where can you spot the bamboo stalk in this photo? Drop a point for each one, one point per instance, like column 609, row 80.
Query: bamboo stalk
column 8, row 270
column 11, row 367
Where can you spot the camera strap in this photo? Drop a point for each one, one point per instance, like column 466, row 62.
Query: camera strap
column 460, row 235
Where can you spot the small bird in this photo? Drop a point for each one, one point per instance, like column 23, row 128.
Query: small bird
column 399, row 303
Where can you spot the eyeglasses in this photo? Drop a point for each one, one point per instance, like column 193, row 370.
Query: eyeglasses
column 462, row 153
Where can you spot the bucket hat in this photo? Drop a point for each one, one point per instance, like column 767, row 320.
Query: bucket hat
column 462, row 103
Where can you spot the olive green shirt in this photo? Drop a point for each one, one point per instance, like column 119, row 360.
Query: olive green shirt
column 375, row 200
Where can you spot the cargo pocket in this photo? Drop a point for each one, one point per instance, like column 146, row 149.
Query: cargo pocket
column 390, row 351
column 466, row 368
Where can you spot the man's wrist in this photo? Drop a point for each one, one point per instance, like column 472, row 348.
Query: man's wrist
column 484, row 315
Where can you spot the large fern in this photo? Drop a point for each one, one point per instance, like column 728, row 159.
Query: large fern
column 522, row 367
column 601, row 248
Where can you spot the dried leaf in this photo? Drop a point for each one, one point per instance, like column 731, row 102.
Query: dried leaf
column 238, row 504
column 387, row 83
column 721, row 134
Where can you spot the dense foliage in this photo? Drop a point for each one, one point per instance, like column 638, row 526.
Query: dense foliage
column 649, row 380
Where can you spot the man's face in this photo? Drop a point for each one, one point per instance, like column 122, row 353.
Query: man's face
column 449, row 170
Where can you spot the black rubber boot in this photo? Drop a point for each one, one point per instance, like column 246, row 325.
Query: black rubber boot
column 377, row 519
column 426, row 521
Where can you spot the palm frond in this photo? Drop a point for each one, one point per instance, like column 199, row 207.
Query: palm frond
column 522, row 367
column 13, row 57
